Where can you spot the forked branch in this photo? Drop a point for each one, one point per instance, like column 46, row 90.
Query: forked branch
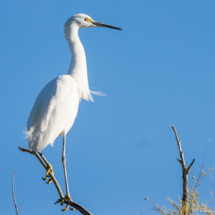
column 185, row 172
column 76, row 206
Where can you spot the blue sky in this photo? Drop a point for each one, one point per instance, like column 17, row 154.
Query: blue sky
column 157, row 72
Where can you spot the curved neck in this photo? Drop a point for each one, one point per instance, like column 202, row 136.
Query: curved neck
column 78, row 65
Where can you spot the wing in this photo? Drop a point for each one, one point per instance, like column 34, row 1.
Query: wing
column 42, row 102
column 53, row 112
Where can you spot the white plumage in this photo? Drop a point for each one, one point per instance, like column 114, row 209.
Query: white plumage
column 54, row 112
column 56, row 106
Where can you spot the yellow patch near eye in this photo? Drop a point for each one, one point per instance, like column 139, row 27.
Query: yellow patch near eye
column 88, row 20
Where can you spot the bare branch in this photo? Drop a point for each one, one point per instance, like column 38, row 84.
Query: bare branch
column 76, row 206
column 179, row 161
column 188, row 168
column 14, row 199
column 26, row 150
column 179, row 147
column 185, row 172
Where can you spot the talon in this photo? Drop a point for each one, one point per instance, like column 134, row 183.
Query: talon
column 47, row 174
column 49, row 181
column 67, row 206
column 45, row 178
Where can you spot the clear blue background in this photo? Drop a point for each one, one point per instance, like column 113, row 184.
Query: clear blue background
column 157, row 72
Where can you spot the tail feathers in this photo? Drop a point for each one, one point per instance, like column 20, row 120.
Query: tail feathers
column 29, row 136
column 98, row 93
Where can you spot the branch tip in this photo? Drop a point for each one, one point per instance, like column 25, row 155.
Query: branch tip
column 189, row 167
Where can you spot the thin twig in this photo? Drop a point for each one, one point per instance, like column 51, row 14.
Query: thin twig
column 139, row 210
column 155, row 206
column 148, row 209
column 185, row 172
column 203, row 164
column 212, row 181
column 78, row 207
column 14, row 199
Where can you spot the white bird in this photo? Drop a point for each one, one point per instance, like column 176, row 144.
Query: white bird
column 56, row 106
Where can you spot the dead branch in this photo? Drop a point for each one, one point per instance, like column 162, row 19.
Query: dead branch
column 185, row 172
column 14, row 199
column 76, row 206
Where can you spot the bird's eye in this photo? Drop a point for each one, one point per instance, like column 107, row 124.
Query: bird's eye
column 88, row 20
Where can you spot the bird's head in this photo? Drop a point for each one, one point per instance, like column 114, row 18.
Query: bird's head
column 85, row 21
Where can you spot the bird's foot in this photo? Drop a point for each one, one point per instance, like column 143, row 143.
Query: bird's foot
column 66, row 197
column 47, row 174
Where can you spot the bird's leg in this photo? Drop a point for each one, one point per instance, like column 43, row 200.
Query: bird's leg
column 67, row 196
column 48, row 170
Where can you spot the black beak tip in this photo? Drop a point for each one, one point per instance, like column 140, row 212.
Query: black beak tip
column 99, row 24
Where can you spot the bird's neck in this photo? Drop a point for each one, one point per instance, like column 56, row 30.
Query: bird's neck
column 78, row 66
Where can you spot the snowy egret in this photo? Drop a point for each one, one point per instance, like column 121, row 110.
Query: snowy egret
column 56, row 106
